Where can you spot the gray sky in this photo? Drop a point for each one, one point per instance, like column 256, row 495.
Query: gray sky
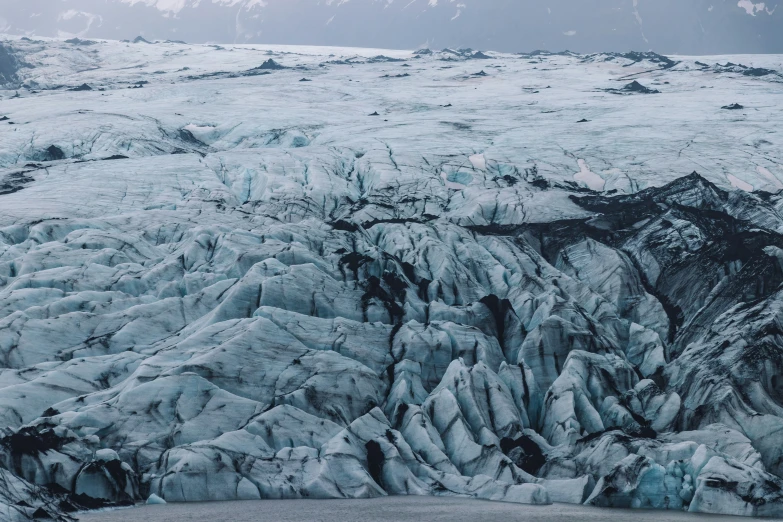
column 665, row 26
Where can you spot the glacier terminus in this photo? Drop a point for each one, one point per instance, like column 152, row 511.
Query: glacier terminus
column 234, row 272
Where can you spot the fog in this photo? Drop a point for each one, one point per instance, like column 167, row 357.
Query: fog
column 666, row 26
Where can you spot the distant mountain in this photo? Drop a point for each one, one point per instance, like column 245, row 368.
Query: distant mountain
column 667, row 26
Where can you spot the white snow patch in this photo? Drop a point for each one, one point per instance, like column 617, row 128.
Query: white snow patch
column 205, row 134
column 478, row 161
column 770, row 176
column 588, row 177
column 739, row 184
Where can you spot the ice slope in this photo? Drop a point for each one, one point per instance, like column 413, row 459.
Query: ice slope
column 514, row 277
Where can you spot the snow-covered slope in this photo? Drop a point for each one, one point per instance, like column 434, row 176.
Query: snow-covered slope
column 247, row 272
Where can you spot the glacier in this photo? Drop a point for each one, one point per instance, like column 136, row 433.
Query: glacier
column 530, row 278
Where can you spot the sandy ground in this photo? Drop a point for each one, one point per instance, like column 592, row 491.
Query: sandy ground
column 385, row 509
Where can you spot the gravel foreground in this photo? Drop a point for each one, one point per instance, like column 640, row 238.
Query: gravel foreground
column 383, row 509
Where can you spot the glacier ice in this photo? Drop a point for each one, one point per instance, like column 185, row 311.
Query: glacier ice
column 220, row 283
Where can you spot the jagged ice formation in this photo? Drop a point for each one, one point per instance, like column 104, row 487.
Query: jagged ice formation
column 415, row 273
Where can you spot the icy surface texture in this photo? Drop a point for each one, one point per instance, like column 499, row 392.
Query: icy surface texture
column 414, row 274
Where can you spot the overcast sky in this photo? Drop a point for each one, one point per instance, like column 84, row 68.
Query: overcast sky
column 665, row 26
